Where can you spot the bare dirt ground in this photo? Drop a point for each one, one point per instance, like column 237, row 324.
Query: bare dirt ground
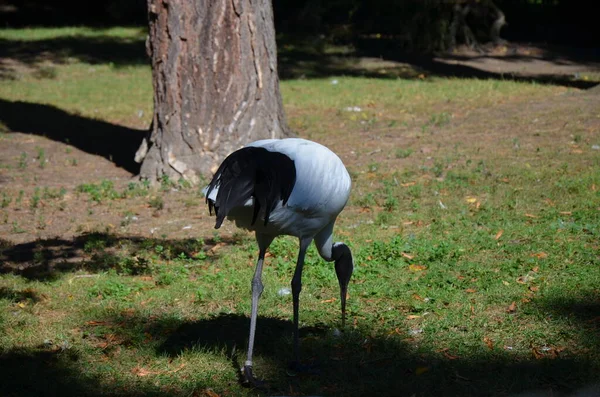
column 40, row 213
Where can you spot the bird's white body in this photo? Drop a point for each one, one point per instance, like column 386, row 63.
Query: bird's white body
column 320, row 193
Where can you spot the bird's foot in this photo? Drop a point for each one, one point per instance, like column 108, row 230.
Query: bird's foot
column 295, row 369
column 249, row 380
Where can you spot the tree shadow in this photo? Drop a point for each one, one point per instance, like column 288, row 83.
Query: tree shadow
column 47, row 371
column 445, row 64
column 120, row 51
column 49, row 259
column 357, row 363
column 41, row 372
column 309, row 57
column 113, row 142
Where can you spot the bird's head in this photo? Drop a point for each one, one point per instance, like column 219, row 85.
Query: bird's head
column 344, row 265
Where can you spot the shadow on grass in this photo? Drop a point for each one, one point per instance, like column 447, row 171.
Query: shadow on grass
column 309, row 58
column 301, row 56
column 367, row 360
column 357, row 363
column 92, row 50
column 113, row 142
column 44, row 372
column 49, row 259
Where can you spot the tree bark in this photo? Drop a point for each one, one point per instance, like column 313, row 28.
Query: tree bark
column 214, row 70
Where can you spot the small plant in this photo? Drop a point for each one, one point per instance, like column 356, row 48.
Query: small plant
column 183, row 184
column 23, row 161
column 20, row 197
column 104, row 191
column 373, row 167
column 95, row 242
column 383, row 218
column 439, row 119
column 112, row 289
column 45, row 72
column 49, row 193
column 136, row 190
column 16, row 228
column 391, row 203
column 35, row 199
column 41, row 223
column 6, row 199
column 41, row 157
column 403, row 153
column 367, row 200
column 166, row 183
column 157, row 203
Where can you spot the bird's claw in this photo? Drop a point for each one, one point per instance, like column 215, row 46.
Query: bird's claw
column 249, row 379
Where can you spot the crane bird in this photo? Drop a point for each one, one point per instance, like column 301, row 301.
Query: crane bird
column 279, row 187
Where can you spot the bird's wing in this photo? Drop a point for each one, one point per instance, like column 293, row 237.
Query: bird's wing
column 322, row 181
column 251, row 173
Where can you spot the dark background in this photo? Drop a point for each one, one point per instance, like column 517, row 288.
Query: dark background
column 416, row 25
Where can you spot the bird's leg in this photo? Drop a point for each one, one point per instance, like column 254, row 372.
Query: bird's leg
column 296, row 288
column 257, row 288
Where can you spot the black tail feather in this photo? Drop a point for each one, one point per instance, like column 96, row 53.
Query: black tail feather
column 252, row 172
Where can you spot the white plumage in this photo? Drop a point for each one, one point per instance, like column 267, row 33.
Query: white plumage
column 279, row 187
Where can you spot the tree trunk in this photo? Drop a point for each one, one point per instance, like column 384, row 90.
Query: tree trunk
column 214, row 70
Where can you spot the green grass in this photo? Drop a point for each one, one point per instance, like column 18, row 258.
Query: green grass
column 476, row 259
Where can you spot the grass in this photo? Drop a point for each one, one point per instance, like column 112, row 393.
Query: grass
column 476, row 259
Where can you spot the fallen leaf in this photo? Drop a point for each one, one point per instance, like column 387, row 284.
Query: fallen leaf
column 96, row 323
column 512, row 308
column 328, row 300
column 421, row 370
column 412, row 317
column 505, row 282
column 471, row 200
column 209, row 393
column 407, row 184
column 144, row 303
column 489, row 343
column 540, row 255
column 524, row 279
column 534, row 289
column 417, row 297
column 499, row 234
column 407, row 256
column 566, row 213
column 416, row 268
column 449, row 356
column 536, row 353
column 470, row 290
column 530, row 216
column 535, row 269
column 143, row 372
